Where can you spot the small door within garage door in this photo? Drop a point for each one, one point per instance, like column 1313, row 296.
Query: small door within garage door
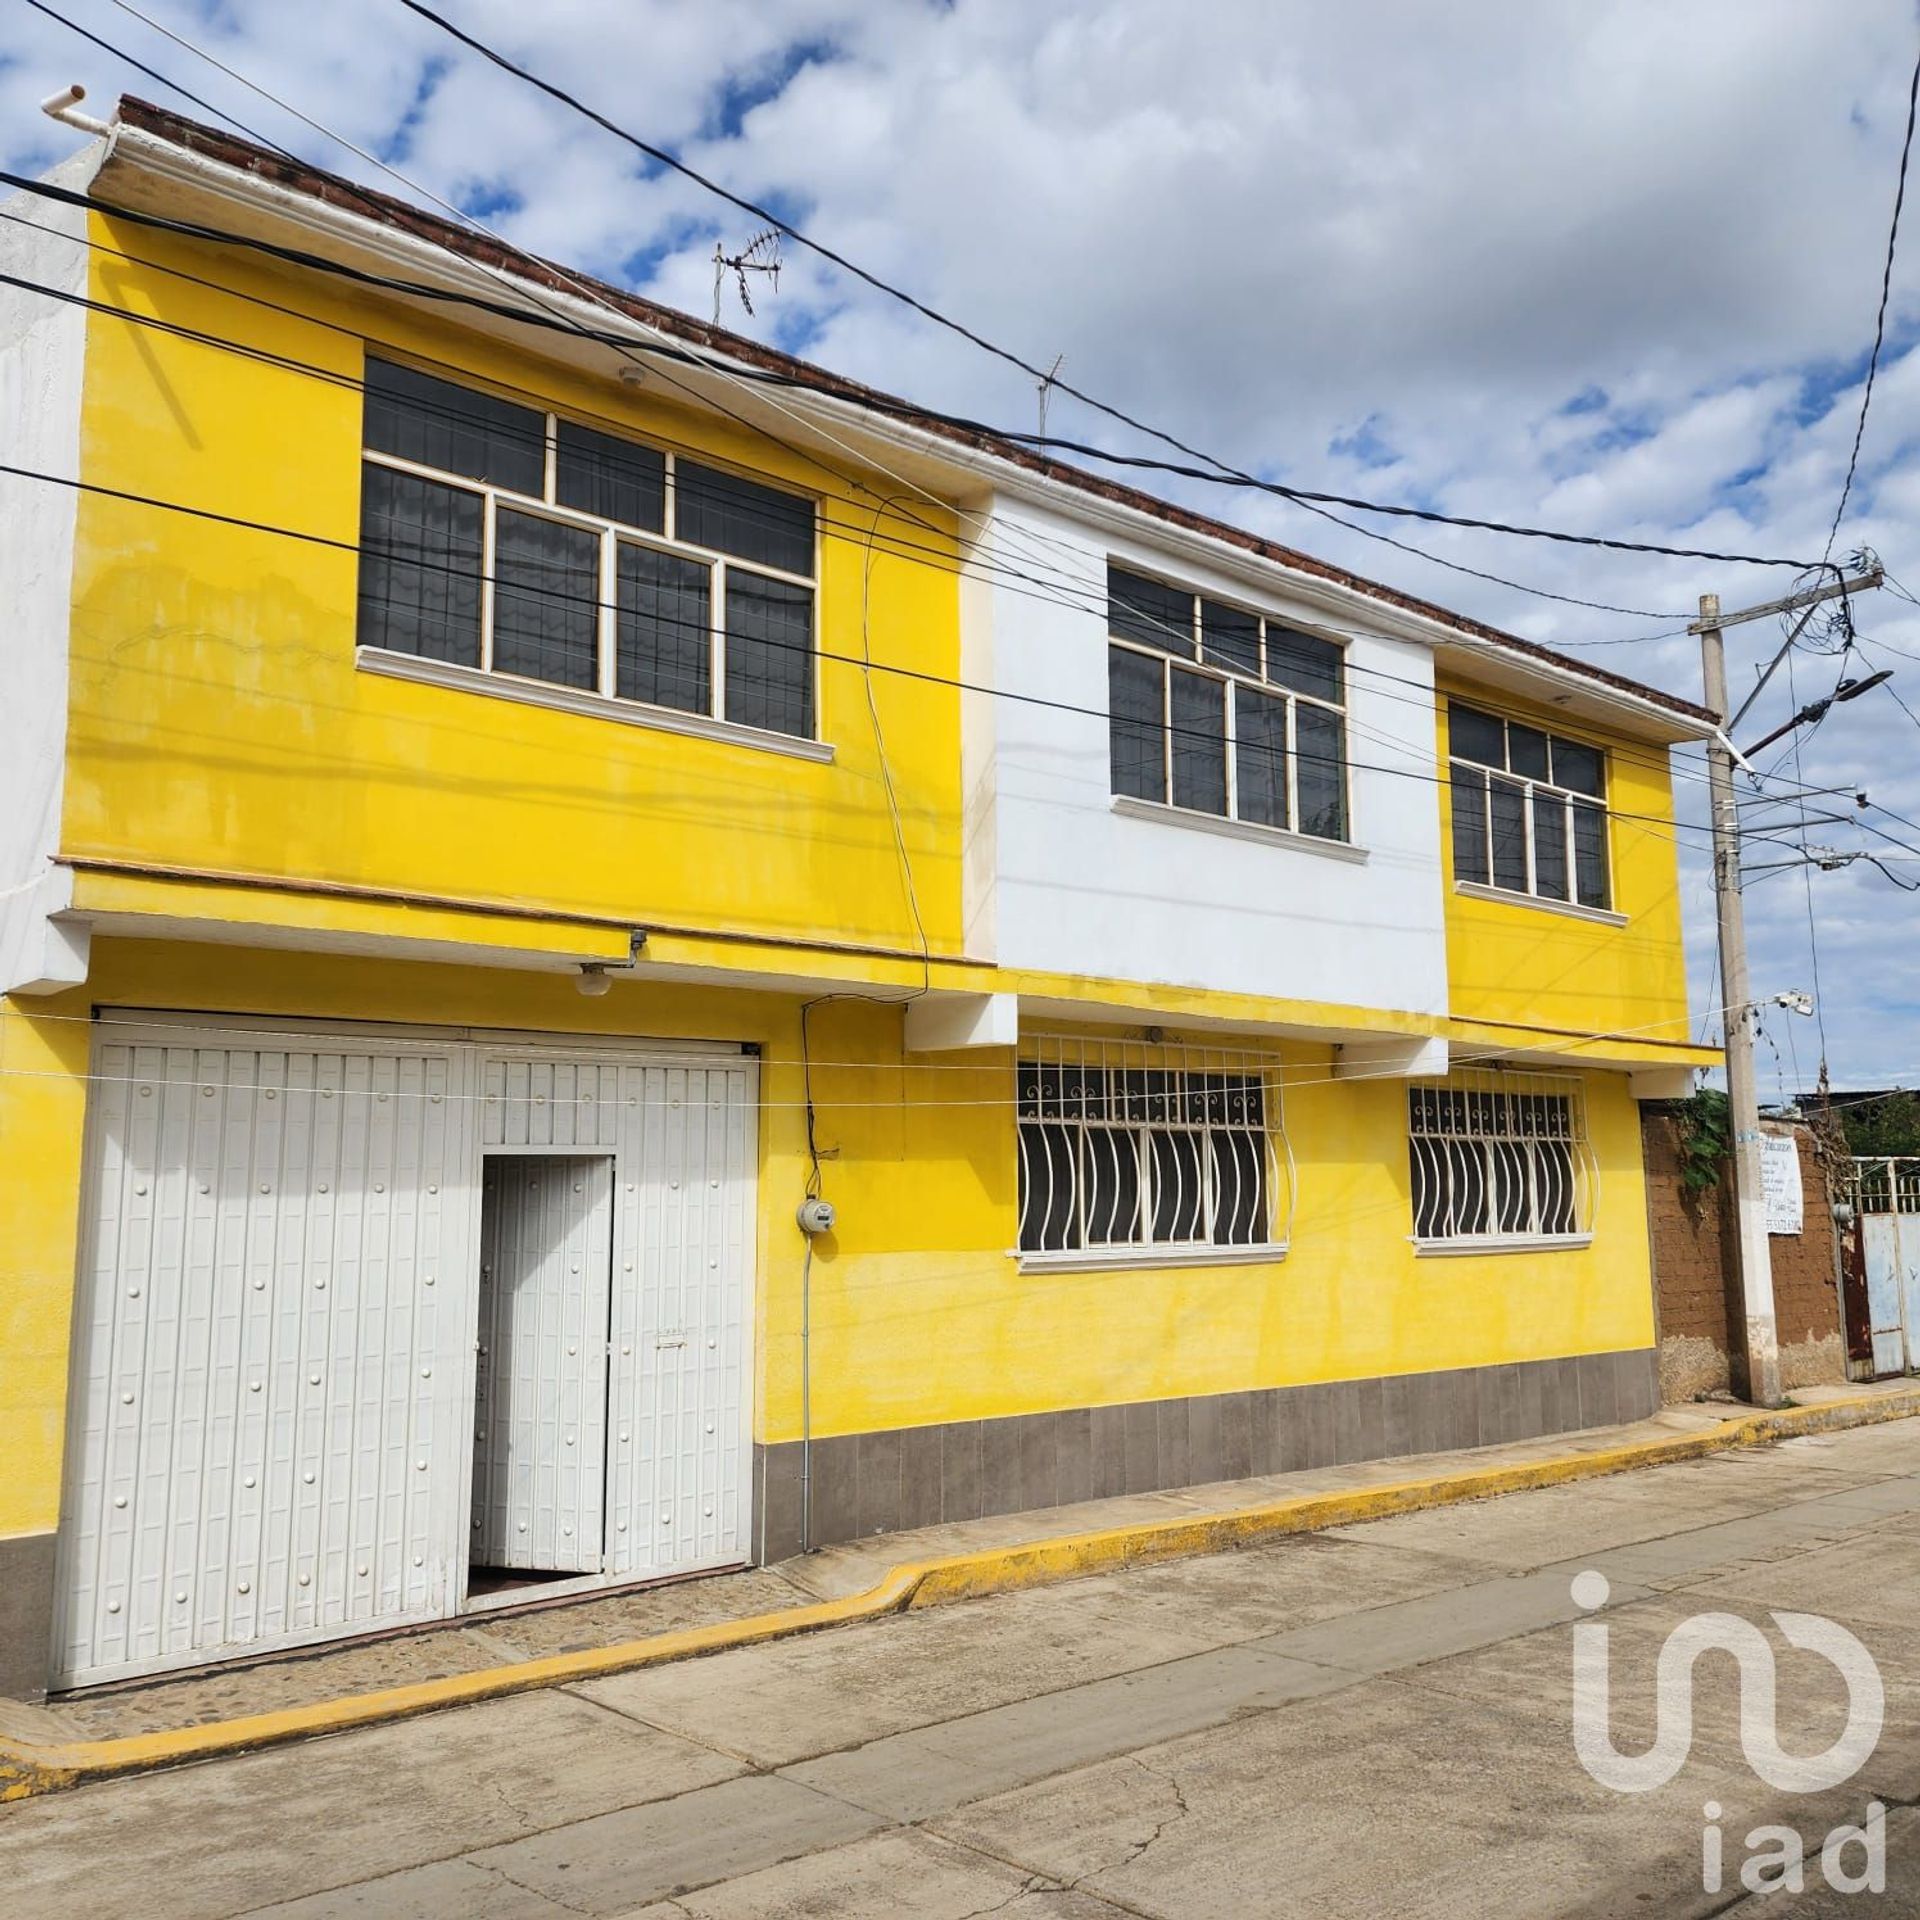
column 265, row 1339
column 540, row 1381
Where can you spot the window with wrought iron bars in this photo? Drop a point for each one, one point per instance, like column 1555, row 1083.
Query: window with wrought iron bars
column 510, row 541
column 1147, row 1147
column 1529, row 810
column 1219, row 710
column 1499, row 1158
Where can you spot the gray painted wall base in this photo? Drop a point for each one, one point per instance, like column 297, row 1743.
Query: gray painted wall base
column 870, row 1483
column 26, row 1615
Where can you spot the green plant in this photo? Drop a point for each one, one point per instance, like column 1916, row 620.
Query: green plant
column 1706, row 1139
column 1887, row 1126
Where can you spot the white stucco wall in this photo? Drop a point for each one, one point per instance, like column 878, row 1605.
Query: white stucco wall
column 42, row 355
column 1078, row 888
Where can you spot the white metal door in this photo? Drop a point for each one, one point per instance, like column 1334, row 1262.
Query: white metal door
column 540, row 1437
column 679, row 1437
column 260, row 1442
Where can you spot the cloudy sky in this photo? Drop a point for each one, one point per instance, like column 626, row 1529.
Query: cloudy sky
column 1610, row 267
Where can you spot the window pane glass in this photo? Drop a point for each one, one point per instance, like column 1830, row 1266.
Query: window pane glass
column 1145, row 610
column 546, row 583
column 614, row 479
column 1467, row 1209
column 1199, row 742
column 1526, row 751
column 1509, row 818
column 457, row 429
column 1179, row 1197
column 1470, row 825
column 420, row 565
column 1590, row 854
column 1319, row 740
column 1476, row 736
column 1229, row 637
column 741, row 517
column 1549, row 845
column 665, row 648
column 1578, row 767
column 1304, row 663
column 769, row 654
column 1137, row 733
column 1110, row 1171
column 1046, row 1187
column 1260, row 756
column 1553, row 1187
column 1239, row 1187
column 1428, row 1160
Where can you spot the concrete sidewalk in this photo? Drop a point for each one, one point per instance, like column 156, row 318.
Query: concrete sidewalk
column 136, row 1725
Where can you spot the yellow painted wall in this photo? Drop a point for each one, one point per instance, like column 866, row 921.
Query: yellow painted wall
column 218, row 719
column 43, row 1061
column 1514, row 963
column 920, row 1312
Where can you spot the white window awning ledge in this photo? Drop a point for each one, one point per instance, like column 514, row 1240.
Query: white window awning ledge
column 1390, row 1059
column 951, row 1022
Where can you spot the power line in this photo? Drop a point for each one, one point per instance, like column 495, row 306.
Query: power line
column 1659, row 826
column 1216, row 470
column 1056, row 591
column 881, row 402
column 1880, row 321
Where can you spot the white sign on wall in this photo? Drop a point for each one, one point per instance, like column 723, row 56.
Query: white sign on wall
column 1780, row 1181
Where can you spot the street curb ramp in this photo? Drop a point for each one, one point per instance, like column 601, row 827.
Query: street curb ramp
column 29, row 1768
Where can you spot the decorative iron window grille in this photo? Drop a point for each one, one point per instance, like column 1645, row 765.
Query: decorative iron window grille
column 1498, row 1157
column 1884, row 1185
column 1152, row 1147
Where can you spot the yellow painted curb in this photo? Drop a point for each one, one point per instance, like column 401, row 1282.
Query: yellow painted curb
column 28, row 1768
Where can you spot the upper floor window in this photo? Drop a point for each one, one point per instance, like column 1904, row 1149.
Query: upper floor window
column 512, row 541
column 1529, row 809
column 1125, row 1147
column 1498, row 1158
column 1222, row 711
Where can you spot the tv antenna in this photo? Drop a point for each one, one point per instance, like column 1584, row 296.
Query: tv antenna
column 1046, row 384
column 761, row 254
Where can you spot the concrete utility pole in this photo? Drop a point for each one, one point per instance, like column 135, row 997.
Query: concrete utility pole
column 1760, row 1343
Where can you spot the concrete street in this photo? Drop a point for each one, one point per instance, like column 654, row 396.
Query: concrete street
column 1372, row 1721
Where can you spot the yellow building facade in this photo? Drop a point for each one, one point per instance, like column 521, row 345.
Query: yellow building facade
column 514, row 795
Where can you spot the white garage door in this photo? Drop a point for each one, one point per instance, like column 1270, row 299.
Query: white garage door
column 272, row 1437
column 264, row 1350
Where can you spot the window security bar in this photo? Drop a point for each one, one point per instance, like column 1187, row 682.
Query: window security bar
column 1497, row 1157
column 1126, row 1144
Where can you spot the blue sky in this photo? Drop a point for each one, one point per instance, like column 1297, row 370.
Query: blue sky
column 1508, row 260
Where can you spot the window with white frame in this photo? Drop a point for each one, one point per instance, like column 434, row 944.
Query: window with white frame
column 1220, row 710
column 1529, row 809
column 1499, row 1157
column 1125, row 1146
column 512, row 541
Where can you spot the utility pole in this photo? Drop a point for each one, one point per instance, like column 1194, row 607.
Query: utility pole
column 1759, row 1341
column 1759, row 1336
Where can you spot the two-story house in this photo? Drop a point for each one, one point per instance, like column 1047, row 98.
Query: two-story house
column 510, row 792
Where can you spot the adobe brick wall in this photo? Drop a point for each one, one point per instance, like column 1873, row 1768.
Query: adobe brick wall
column 1694, row 1297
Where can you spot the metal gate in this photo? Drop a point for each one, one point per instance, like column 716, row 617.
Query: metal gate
column 1887, row 1202
column 271, row 1434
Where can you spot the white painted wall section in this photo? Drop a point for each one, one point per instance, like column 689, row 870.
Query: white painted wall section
column 42, row 361
column 1081, row 888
